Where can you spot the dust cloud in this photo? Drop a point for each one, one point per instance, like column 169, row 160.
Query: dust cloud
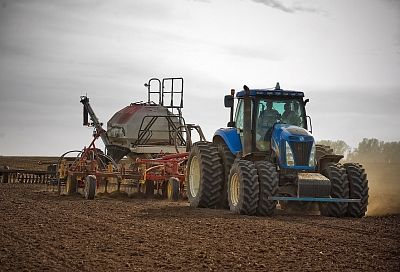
column 384, row 188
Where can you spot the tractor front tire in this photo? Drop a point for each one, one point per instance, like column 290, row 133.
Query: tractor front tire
column 358, row 189
column 204, row 175
column 243, row 188
column 268, row 182
column 336, row 173
column 90, row 187
column 173, row 189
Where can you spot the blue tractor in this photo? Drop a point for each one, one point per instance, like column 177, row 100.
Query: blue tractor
column 268, row 156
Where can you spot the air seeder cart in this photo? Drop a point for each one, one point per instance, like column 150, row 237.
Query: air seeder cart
column 152, row 137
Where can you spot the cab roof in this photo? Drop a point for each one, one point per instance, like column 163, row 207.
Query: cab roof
column 271, row 92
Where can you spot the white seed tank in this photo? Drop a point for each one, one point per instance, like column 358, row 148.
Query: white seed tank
column 142, row 124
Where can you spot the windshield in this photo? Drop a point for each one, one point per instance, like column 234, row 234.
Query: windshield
column 271, row 111
column 286, row 111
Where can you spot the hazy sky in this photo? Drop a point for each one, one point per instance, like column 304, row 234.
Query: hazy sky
column 345, row 56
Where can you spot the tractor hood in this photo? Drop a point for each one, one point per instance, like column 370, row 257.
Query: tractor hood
column 291, row 133
column 294, row 147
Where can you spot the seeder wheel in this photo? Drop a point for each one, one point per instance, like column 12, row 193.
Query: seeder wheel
column 173, row 189
column 90, row 187
column 147, row 188
column 71, row 185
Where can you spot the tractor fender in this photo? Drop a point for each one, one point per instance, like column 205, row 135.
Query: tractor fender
column 326, row 159
column 231, row 138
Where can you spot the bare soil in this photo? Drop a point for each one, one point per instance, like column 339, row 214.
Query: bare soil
column 27, row 162
column 40, row 230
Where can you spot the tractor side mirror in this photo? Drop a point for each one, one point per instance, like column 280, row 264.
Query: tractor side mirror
column 306, row 101
column 228, row 101
column 309, row 124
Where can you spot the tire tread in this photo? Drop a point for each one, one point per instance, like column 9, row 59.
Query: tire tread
column 339, row 189
column 268, row 182
column 358, row 189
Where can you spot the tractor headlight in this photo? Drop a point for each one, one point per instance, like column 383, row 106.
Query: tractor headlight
column 289, row 155
column 311, row 162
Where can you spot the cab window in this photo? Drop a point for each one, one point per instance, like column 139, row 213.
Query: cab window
column 288, row 111
column 239, row 115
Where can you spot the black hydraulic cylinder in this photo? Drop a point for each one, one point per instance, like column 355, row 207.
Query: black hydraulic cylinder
column 96, row 123
column 85, row 116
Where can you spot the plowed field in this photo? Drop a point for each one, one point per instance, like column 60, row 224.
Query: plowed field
column 40, row 230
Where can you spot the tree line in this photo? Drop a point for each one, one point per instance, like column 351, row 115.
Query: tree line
column 368, row 150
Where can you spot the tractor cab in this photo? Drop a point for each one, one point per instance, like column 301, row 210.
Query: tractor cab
column 271, row 108
column 270, row 124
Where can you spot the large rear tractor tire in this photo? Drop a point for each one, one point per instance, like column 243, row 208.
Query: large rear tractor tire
column 173, row 189
column 72, row 185
column 204, row 175
column 268, row 182
column 90, row 187
column 243, row 188
column 336, row 173
column 227, row 159
column 358, row 189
